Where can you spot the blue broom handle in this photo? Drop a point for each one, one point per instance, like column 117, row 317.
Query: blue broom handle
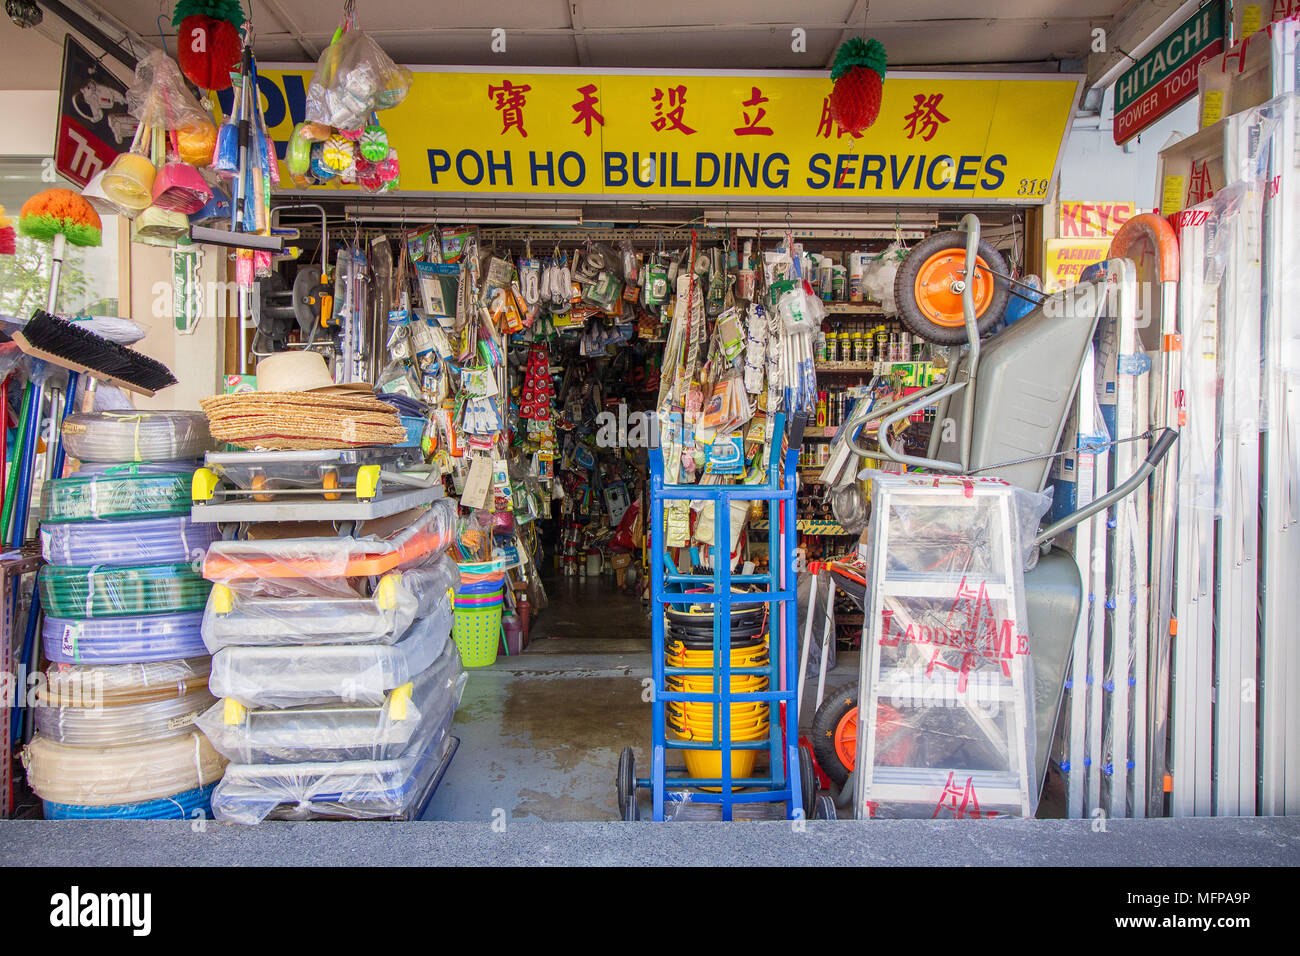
column 70, row 395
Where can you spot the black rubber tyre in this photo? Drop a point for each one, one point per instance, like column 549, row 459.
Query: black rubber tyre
column 825, row 723
column 626, row 780
column 824, row 809
column 905, row 289
column 632, row 812
column 807, row 781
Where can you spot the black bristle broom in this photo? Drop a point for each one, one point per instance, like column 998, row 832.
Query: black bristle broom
column 73, row 347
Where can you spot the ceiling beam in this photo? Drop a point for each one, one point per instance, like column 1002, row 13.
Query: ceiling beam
column 579, row 31
column 856, row 20
column 277, row 11
column 1131, row 33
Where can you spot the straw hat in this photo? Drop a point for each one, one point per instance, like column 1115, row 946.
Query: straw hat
column 302, row 420
column 303, row 371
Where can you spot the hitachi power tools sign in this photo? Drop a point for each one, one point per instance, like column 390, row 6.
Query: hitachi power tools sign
column 1166, row 76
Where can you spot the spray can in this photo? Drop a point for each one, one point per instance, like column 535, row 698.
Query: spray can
column 857, row 266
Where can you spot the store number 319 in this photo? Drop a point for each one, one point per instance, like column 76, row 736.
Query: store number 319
column 1032, row 187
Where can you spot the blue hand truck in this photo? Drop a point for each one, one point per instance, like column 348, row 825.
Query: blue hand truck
column 789, row 779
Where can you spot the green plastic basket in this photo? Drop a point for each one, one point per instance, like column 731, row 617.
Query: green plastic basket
column 478, row 635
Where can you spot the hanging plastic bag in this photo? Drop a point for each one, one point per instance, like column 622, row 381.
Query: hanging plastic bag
column 160, row 95
column 878, row 276
column 353, row 78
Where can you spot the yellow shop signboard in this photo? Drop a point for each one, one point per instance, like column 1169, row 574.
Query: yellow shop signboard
column 719, row 135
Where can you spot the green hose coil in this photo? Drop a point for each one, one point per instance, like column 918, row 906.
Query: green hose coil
column 90, row 592
column 117, row 495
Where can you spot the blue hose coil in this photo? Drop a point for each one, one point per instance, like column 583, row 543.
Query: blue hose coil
column 132, row 640
column 178, row 807
column 139, row 541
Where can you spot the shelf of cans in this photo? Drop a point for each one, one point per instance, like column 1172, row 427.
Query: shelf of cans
column 336, row 687
column 127, row 672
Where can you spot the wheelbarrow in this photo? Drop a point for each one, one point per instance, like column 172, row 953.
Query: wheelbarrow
column 1007, row 400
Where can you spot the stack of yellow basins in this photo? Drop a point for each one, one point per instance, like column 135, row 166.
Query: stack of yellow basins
column 689, row 645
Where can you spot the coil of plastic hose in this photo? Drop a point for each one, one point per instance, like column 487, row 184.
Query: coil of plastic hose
column 106, row 776
column 174, row 466
column 152, row 637
column 136, row 435
column 70, row 685
column 128, row 541
column 189, row 805
column 88, row 592
column 121, row 724
column 117, row 494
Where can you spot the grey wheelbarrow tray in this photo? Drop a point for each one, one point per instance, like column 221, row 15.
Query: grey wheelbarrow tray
column 1012, row 394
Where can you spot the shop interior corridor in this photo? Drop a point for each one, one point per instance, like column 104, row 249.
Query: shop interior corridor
column 541, row 731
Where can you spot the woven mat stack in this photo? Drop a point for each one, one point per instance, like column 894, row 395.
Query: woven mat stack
column 302, row 421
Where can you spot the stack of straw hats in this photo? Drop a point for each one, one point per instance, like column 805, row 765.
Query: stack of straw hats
column 299, row 407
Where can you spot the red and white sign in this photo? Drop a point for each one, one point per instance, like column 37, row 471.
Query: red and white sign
column 1174, row 89
column 94, row 125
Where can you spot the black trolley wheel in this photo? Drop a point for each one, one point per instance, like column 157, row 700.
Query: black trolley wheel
column 632, row 812
column 626, row 781
column 824, row 809
column 807, row 781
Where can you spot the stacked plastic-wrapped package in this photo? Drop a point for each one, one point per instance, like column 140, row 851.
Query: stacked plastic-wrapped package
column 338, row 676
column 123, row 602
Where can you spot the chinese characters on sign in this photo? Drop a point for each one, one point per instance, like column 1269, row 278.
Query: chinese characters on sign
column 586, row 108
column 510, row 104
column 925, row 116
column 674, row 118
column 751, row 127
column 825, row 123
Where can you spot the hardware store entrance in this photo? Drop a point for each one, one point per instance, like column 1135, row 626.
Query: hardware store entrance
column 542, row 728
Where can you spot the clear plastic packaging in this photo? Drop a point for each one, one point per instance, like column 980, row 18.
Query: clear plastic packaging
column 284, row 567
column 121, row 724
column 118, row 436
column 161, row 97
column 399, row 599
column 174, row 467
column 290, row 675
column 353, row 78
column 87, row 592
column 73, row 684
column 116, row 494
column 349, row 789
column 337, row 731
column 129, row 640
column 334, row 469
column 104, row 776
column 127, row 541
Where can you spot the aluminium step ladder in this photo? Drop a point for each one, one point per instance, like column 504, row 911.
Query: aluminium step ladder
column 945, row 669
